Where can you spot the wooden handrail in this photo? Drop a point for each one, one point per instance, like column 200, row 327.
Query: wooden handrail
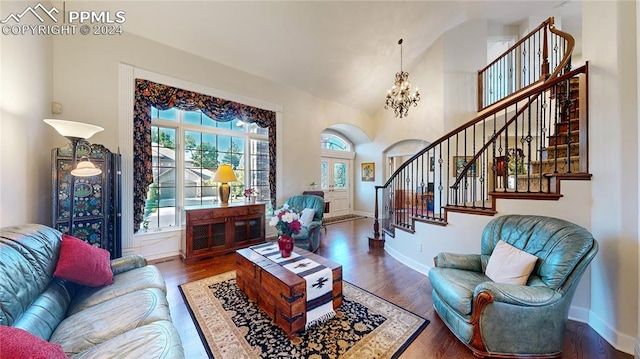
column 520, row 42
column 506, row 83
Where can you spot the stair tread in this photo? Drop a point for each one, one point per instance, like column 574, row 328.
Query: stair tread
column 550, row 160
column 564, row 133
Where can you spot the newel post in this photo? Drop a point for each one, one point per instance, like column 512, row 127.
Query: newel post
column 544, row 70
column 376, row 241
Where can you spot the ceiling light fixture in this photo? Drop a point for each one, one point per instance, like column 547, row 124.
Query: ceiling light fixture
column 399, row 98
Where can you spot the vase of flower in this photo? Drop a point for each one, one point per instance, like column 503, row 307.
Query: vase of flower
column 287, row 222
column 285, row 244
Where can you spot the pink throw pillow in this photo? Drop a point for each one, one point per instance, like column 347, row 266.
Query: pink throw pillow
column 83, row 263
column 19, row 343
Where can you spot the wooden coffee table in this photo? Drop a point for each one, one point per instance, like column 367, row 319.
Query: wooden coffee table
column 280, row 293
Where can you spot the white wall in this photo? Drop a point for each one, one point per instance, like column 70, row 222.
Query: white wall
column 25, row 141
column 614, row 164
column 465, row 52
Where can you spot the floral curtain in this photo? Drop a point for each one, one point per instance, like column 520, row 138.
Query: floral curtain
column 163, row 97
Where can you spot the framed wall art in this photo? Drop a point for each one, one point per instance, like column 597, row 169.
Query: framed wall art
column 368, row 172
column 458, row 164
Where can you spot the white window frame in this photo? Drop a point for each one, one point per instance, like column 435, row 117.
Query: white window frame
column 165, row 243
column 180, row 127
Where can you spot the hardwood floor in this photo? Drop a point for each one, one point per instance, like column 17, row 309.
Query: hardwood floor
column 377, row 272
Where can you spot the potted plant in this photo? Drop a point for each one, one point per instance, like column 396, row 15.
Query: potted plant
column 515, row 167
column 250, row 195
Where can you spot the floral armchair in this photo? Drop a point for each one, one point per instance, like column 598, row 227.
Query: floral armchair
column 309, row 236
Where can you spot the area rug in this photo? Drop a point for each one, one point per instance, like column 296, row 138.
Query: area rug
column 231, row 326
column 340, row 219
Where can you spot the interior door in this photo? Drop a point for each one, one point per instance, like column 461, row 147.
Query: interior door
column 335, row 174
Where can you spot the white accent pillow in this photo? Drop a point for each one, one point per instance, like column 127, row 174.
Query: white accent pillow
column 307, row 216
column 509, row 264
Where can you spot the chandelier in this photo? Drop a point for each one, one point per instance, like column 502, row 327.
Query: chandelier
column 399, row 98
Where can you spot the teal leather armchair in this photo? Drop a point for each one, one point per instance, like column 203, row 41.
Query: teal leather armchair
column 507, row 320
column 309, row 236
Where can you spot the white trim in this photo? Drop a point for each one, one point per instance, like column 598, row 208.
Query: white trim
column 337, row 154
column 125, row 144
column 409, row 262
column 622, row 342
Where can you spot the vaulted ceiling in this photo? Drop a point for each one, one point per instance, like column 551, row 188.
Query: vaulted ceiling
column 343, row 51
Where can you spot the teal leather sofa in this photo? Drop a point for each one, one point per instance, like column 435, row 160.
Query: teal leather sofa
column 127, row 319
column 508, row 320
column 309, row 236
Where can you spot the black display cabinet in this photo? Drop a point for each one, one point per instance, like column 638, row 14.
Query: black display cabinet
column 96, row 203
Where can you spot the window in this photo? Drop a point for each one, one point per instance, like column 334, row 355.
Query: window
column 187, row 148
column 332, row 141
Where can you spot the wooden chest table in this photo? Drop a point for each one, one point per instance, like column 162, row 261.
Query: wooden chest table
column 280, row 293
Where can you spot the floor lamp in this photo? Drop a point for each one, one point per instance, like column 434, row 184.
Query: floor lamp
column 75, row 132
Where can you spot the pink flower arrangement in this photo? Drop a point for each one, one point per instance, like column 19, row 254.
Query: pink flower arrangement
column 249, row 192
column 286, row 221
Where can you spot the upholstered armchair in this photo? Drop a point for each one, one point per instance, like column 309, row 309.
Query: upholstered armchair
column 309, row 236
column 494, row 318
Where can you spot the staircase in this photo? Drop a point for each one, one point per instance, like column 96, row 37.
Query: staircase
column 519, row 147
column 561, row 157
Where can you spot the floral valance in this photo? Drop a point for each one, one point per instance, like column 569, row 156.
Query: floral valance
column 151, row 94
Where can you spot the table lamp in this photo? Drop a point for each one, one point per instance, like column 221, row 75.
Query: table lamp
column 224, row 175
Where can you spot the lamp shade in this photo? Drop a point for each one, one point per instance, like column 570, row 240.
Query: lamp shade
column 86, row 169
column 224, row 174
column 73, row 129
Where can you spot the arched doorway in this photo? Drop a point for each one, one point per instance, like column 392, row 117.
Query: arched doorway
column 336, row 172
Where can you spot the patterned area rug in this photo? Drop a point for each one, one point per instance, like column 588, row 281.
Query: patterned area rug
column 339, row 219
column 231, row 326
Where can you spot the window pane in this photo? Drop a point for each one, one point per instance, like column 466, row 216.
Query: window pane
column 224, row 125
column 340, row 175
column 324, row 174
column 192, row 117
column 160, row 207
column 224, row 143
column 238, row 125
column 169, row 114
column 208, row 121
column 254, row 128
column 191, row 140
column 333, row 142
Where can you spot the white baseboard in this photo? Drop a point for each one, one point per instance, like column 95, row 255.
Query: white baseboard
column 361, row 213
column 622, row 342
column 636, row 355
column 579, row 314
column 417, row 266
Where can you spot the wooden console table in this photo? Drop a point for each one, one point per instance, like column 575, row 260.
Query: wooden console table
column 214, row 229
